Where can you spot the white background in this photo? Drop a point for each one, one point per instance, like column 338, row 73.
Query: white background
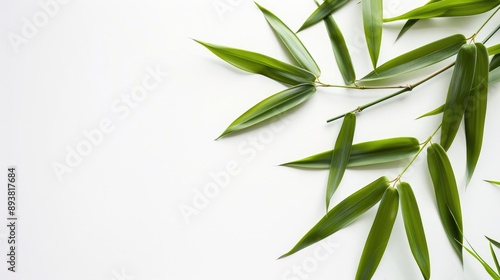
column 117, row 214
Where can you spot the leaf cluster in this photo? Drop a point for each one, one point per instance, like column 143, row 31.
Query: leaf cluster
column 464, row 102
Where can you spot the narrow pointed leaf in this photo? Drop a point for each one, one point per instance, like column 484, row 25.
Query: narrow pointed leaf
column 418, row 58
column 448, row 9
column 458, row 93
column 261, row 64
column 340, row 155
column 494, row 49
column 340, row 50
column 446, row 191
column 494, row 76
column 485, row 265
column 343, row 214
column 495, row 259
column 379, row 235
column 323, row 11
column 471, row 7
column 475, row 112
column 292, row 42
column 372, row 22
column 495, row 62
column 436, row 111
column 494, row 242
column 410, row 23
column 493, row 182
column 363, row 154
column 271, row 107
column 414, row 229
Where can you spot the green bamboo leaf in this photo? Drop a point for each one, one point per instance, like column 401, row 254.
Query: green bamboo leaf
column 340, row 50
column 372, row 22
column 340, row 156
column 494, row 242
column 493, row 182
column 418, row 58
column 495, row 259
column 414, row 229
column 292, row 42
column 436, row 111
column 410, row 23
column 485, row 265
column 323, row 11
column 495, row 62
column 475, row 112
column 260, row 64
column 363, row 154
column 379, row 235
column 471, row 7
column 446, row 191
column 448, row 9
column 494, row 49
column 458, row 93
column 494, row 76
column 343, row 214
column 271, row 107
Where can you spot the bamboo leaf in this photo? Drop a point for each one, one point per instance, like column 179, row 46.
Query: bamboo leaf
column 475, row 112
column 379, row 235
column 458, row 93
column 494, row 242
column 363, row 154
column 292, row 42
column 372, row 22
column 495, row 259
column 493, row 182
column 495, row 62
column 471, row 7
column 448, row 9
column 410, row 23
column 340, row 50
column 414, row 229
column 271, row 107
column 436, row 111
column 343, row 214
column 494, row 76
column 446, row 191
column 340, row 156
column 260, row 64
column 323, row 11
column 485, row 265
column 418, row 58
column 494, row 49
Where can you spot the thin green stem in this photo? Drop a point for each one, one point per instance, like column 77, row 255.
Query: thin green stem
column 484, row 24
column 491, row 34
column 361, row 87
column 422, row 147
column 405, row 89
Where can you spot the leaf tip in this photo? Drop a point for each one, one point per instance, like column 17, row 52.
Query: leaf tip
column 200, row 42
column 284, row 255
column 223, row 134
